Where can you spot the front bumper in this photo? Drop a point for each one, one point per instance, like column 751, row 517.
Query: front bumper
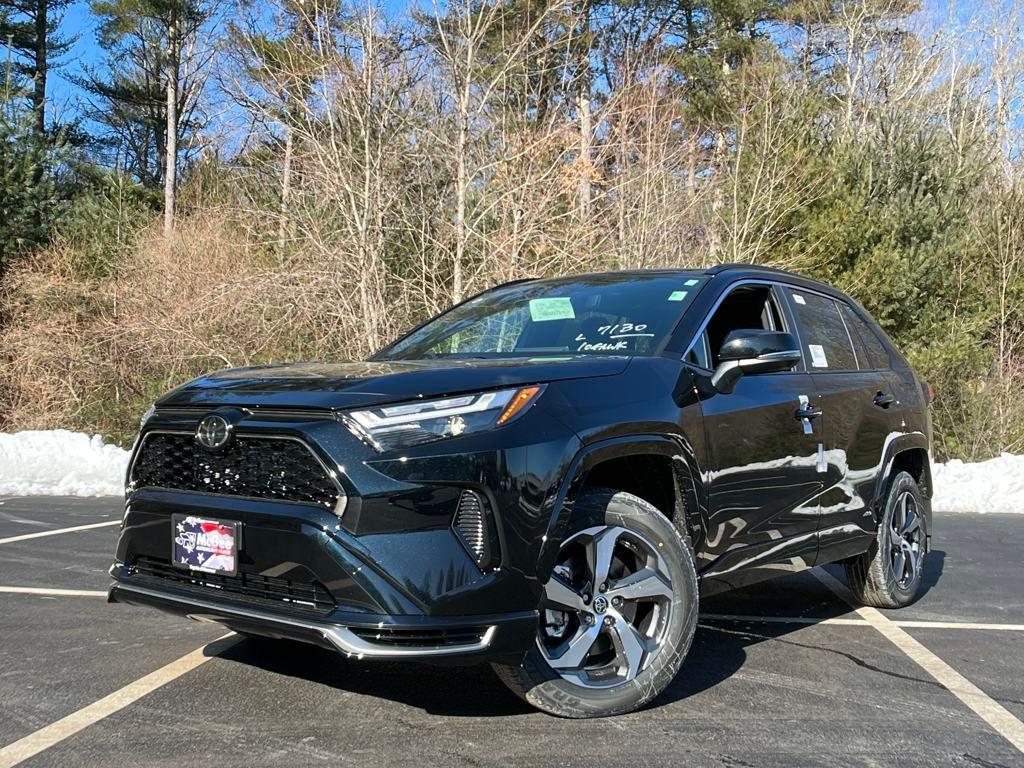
column 358, row 636
column 389, row 576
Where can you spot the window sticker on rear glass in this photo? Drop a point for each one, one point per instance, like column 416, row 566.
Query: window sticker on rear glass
column 818, row 358
column 552, row 308
column 799, row 299
column 677, row 296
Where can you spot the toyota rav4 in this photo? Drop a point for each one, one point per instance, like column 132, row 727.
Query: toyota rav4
column 547, row 477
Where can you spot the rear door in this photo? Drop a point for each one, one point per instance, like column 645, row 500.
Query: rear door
column 851, row 376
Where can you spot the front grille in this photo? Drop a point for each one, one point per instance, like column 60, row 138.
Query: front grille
column 251, row 588
column 257, row 467
column 421, row 638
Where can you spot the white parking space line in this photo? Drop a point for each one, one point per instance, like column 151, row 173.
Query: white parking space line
column 53, row 592
column 41, row 534
column 21, row 520
column 782, row 619
column 989, row 710
column 912, row 624
column 54, row 733
column 958, row 625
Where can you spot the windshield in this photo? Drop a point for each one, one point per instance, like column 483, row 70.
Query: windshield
column 586, row 315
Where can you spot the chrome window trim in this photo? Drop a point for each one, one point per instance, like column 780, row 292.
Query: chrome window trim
column 339, row 505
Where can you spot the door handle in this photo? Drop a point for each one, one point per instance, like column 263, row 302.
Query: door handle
column 808, row 412
column 883, row 400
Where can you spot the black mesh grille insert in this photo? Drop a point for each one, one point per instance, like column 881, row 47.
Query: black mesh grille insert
column 244, row 587
column 247, row 466
column 421, row 638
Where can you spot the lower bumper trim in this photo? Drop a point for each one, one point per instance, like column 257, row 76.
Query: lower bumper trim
column 331, row 635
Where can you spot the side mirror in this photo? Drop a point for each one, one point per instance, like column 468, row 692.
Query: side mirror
column 753, row 351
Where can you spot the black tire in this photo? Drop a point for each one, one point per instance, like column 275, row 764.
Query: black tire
column 872, row 575
column 541, row 686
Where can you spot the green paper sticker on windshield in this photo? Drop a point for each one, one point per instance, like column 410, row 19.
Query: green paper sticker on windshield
column 677, row 296
column 555, row 308
column 691, row 282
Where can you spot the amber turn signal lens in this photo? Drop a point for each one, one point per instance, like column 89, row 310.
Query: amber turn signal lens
column 522, row 399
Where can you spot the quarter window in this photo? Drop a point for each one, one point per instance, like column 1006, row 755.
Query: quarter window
column 827, row 343
column 871, row 352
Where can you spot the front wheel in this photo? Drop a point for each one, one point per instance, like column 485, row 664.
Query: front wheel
column 889, row 574
column 618, row 612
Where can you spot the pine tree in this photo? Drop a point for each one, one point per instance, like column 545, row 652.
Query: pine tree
column 26, row 189
column 30, row 30
column 147, row 97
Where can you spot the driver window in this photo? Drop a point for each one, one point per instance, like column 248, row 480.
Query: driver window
column 749, row 306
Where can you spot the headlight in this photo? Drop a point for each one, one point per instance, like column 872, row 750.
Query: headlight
column 147, row 416
column 401, row 426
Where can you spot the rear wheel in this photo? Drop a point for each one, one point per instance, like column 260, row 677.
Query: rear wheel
column 618, row 613
column 889, row 574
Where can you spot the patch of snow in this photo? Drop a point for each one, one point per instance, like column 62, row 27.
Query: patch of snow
column 60, row 463
column 996, row 485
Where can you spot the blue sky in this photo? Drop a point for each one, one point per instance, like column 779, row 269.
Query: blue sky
column 79, row 22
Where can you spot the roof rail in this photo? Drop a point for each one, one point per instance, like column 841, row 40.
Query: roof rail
column 743, row 265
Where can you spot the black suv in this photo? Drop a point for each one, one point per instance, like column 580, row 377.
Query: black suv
column 545, row 477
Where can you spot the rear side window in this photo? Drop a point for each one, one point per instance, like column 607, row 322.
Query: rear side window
column 871, row 353
column 827, row 344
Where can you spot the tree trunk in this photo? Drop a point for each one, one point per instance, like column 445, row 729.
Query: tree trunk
column 40, row 66
column 286, row 190
column 586, row 119
column 39, row 102
column 461, row 183
column 171, row 161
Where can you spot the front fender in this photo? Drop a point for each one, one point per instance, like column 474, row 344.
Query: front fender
column 691, row 495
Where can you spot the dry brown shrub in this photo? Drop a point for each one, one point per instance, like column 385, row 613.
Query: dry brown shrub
column 91, row 354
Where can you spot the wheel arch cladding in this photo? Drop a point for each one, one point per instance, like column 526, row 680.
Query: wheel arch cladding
column 914, row 461
column 659, row 469
column 908, row 453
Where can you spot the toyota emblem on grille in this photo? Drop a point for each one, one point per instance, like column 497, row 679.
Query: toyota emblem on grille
column 213, row 432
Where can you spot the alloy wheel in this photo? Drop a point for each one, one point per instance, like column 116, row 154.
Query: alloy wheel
column 606, row 607
column 905, row 540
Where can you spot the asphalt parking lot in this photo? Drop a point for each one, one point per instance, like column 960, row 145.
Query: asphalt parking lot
column 782, row 674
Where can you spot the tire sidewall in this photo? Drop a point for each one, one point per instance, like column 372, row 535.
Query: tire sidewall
column 903, row 481
column 554, row 694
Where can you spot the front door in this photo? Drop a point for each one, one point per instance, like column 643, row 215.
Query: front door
column 763, row 477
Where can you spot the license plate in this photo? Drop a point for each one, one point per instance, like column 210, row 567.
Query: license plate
column 202, row 544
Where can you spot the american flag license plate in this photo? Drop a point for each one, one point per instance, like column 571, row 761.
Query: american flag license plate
column 201, row 544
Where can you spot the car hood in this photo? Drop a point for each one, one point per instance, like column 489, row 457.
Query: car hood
column 348, row 385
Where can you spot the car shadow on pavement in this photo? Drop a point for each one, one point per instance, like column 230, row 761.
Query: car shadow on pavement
column 453, row 691
column 933, row 565
column 718, row 651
